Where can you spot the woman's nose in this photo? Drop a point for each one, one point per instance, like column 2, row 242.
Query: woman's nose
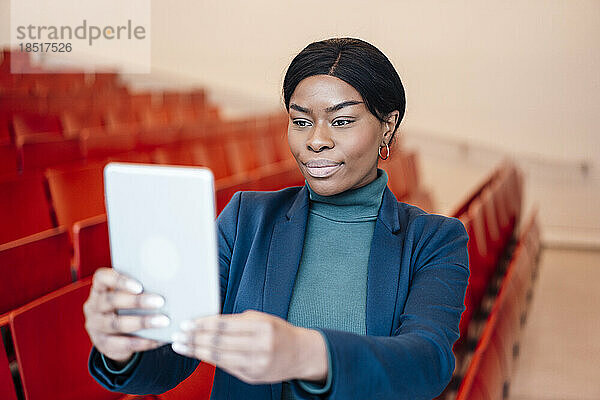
column 319, row 139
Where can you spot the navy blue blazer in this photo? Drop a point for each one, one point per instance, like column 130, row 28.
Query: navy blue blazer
column 417, row 276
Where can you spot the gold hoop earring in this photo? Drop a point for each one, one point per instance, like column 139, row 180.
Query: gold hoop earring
column 387, row 153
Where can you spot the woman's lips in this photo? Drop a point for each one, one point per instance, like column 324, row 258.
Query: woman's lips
column 322, row 171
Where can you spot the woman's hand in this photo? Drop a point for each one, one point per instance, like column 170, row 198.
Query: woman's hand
column 111, row 333
column 255, row 347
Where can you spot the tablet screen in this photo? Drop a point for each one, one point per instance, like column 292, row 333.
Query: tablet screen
column 162, row 230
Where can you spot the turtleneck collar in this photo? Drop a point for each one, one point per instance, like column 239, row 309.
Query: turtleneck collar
column 354, row 205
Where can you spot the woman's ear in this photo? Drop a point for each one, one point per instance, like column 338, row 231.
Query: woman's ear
column 390, row 126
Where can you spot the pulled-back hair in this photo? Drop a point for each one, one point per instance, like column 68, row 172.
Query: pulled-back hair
column 356, row 62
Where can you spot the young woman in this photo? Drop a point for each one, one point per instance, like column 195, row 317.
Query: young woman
column 331, row 290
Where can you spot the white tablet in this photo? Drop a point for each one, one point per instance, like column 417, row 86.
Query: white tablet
column 161, row 222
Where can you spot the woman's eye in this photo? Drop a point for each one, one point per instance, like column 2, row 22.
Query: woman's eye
column 301, row 123
column 341, row 122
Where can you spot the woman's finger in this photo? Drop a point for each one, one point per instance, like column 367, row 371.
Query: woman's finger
column 222, row 341
column 116, row 300
column 110, row 323
column 219, row 358
column 120, row 347
column 125, row 343
column 107, row 278
column 226, row 323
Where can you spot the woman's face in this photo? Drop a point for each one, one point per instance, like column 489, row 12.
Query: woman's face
column 333, row 136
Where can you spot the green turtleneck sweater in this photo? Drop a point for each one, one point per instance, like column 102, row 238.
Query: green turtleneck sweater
column 331, row 285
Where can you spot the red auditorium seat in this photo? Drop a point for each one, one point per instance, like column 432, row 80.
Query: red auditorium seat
column 262, row 145
column 7, row 389
column 33, row 266
column 198, row 98
column 484, row 377
column 91, row 245
column 226, row 188
column 8, row 159
column 494, row 240
column 39, row 154
column 185, row 153
column 29, row 124
column 105, row 80
column 74, row 122
column 394, row 167
column 140, row 101
column 481, row 261
column 281, row 146
column 197, row 386
column 241, row 153
column 410, row 171
column 467, row 390
column 217, row 156
column 155, row 117
column 115, row 119
column 56, row 367
column 77, row 193
column 96, row 143
column 133, row 157
column 5, row 135
column 506, row 334
column 150, row 138
column 24, row 208
column 500, row 195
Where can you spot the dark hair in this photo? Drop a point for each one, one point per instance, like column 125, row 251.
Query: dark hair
column 356, row 62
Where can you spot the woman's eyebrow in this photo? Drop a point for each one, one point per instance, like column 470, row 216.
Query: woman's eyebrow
column 329, row 109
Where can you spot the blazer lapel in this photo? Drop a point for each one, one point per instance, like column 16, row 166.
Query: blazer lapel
column 384, row 268
column 284, row 256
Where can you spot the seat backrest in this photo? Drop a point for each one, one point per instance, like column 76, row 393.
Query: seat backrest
column 52, row 347
column 91, row 245
column 197, row 386
column 8, row 158
column 24, row 208
column 97, row 144
column 411, row 171
column 33, row 266
column 217, row 156
column 7, row 388
column 394, row 167
column 27, row 124
column 76, row 193
column 39, row 154
column 226, row 188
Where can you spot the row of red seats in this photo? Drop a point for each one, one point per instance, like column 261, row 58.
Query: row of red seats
column 490, row 217
column 186, row 144
column 76, row 190
column 493, row 363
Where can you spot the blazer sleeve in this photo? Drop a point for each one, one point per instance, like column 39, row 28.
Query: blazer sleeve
column 159, row 370
column 417, row 361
